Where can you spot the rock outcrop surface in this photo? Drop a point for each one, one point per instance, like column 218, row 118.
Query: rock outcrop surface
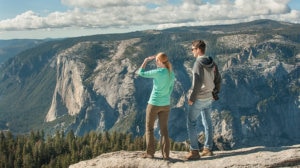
column 288, row 156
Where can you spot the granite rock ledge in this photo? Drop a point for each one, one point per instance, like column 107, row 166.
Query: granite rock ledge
column 260, row 156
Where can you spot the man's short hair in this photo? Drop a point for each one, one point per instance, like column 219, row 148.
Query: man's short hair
column 199, row 44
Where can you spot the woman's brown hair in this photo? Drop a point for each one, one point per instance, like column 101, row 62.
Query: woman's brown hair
column 162, row 57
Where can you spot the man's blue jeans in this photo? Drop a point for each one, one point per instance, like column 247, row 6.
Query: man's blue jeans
column 203, row 108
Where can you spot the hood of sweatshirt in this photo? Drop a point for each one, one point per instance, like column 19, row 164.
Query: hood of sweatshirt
column 206, row 61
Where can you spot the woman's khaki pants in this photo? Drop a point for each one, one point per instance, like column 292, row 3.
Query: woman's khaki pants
column 162, row 112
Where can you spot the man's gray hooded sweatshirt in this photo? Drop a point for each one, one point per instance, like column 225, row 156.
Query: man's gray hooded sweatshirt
column 206, row 78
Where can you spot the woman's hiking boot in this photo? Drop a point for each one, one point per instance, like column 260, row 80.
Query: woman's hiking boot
column 193, row 155
column 146, row 155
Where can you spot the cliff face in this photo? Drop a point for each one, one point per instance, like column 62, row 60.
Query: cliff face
column 92, row 84
column 69, row 90
column 263, row 102
column 101, row 98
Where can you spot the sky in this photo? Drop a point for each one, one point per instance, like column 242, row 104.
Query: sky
column 40, row 19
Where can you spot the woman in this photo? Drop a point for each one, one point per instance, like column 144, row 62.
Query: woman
column 159, row 103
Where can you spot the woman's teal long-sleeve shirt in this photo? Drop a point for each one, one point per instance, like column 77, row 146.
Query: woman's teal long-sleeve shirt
column 163, row 83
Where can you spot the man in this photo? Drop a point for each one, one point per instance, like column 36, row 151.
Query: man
column 205, row 86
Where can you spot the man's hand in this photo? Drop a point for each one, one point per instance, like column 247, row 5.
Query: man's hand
column 215, row 95
column 190, row 102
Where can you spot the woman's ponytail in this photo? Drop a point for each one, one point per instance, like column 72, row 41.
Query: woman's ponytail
column 164, row 59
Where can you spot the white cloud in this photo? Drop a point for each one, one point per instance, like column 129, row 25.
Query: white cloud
column 104, row 4
column 263, row 7
column 160, row 13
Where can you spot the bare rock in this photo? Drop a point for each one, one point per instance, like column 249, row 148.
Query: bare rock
column 288, row 156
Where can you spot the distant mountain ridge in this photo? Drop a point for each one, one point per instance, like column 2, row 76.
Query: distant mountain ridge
column 90, row 83
column 10, row 48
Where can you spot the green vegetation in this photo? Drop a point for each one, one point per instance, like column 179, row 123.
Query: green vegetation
column 60, row 151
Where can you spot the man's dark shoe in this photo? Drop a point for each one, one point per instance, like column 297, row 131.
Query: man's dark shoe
column 193, row 155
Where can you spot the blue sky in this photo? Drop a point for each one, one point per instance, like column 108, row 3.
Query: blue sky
column 38, row 19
